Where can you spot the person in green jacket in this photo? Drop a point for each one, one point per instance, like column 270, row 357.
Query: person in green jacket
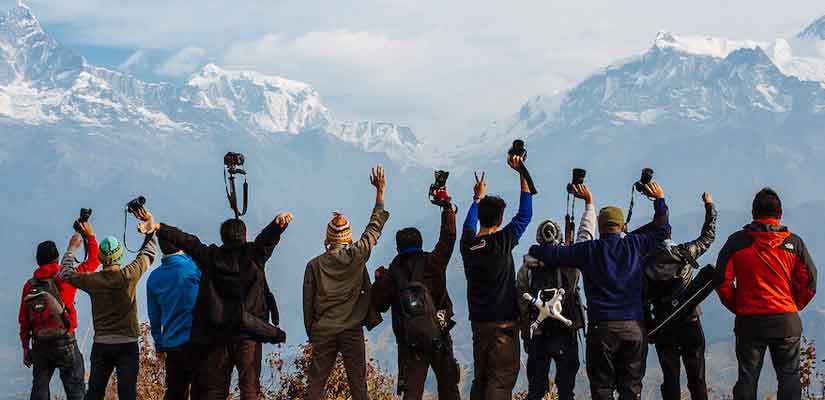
column 337, row 299
column 114, row 313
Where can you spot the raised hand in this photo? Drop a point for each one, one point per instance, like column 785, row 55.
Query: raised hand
column 582, row 192
column 75, row 241
column 654, row 190
column 283, row 219
column 86, row 229
column 707, row 198
column 480, row 187
column 377, row 178
column 515, row 162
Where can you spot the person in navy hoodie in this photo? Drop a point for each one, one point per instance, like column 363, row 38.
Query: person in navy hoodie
column 614, row 282
column 491, row 287
column 172, row 290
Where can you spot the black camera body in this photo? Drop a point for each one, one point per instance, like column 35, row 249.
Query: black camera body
column 438, row 190
column 578, row 179
column 234, row 162
column 135, row 204
column 85, row 214
column 517, row 149
column 646, row 178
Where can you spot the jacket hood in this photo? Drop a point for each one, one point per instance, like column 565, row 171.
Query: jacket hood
column 174, row 260
column 767, row 232
column 46, row 271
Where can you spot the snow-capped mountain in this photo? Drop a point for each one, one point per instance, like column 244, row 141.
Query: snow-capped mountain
column 42, row 82
column 816, row 30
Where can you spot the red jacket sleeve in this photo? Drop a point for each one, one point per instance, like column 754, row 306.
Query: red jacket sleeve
column 92, row 261
column 727, row 271
column 804, row 278
column 23, row 318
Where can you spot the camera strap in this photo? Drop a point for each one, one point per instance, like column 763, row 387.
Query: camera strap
column 125, row 226
column 523, row 170
column 630, row 209
column 232, row 195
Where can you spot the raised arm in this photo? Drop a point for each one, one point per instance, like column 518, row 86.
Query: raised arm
column 660, row 228
column 522, row 218
column 268, row 239
column 92, row 261
column 470, row 228
column 443, row 250
column 382, row 290
column 696, row 248
column 189, row 244
column 587, row 225
column 144, row 259
column 363, row 247
column 68, row 272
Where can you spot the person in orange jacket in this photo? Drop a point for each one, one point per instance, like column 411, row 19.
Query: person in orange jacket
column 768, row 277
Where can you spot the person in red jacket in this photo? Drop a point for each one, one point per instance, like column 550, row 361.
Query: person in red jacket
column 768, row 277
column 62, row 353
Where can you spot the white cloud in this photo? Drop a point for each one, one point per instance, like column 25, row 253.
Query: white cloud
column 183, row 62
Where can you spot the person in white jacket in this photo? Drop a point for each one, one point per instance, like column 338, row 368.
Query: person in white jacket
column 554, row 339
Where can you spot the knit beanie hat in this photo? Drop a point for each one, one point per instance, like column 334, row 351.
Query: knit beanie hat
column 339, row 230
column 111, row 252
column 549, row 232
column 47, row 253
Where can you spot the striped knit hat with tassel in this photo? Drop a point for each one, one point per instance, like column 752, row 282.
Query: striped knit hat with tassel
column 339, row 230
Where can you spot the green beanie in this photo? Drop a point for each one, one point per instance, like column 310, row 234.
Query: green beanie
column 611, row 216
column 111, row 252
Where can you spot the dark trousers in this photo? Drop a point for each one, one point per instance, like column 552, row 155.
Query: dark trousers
column 559, row 347
column 179, row 373
column 413, row 368
column 214, row 365
column 350, row 344
column 64, row 356
column 785, row 357
column 616, row 355
column 684, row 343
column 496, row 360
column 107, row 358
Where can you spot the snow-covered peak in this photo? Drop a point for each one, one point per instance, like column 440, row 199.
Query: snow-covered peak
column 262, row 103
column 398, row 142
column 816, row 30
column 702, row 45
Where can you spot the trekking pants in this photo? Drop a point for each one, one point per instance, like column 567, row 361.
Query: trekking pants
column 561, row 347
column 350, row 344
column 496, row 360
column 683, row 343
column 214, row 365
column 413, row 368
column 64, row 356
column 616, row 355
column 108, row 358
column 750, row 353
column 179, row 373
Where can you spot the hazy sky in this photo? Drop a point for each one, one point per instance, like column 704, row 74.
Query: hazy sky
column 444, row 68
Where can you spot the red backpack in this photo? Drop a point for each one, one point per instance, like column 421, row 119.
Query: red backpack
column 48, row 316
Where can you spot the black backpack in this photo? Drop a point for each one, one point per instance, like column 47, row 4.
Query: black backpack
column 417, row 314
column 550, row 277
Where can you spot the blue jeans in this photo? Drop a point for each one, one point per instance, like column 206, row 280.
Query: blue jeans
column 785, row 358
column 62, row 355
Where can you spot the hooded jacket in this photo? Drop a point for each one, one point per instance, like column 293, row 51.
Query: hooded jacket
column 385, row 292
column 171, row 292
column 768, row 276
column 232, row 281
column 67, row 291
column 336, row 291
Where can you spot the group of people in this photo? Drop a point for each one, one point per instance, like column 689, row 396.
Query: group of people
column 211, row 309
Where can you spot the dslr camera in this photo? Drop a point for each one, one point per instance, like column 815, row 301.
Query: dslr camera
column 438, row 190
column 85, row 214
column 234, row 162
column 578, row 179
column 135, row 204
column 646, row 178
column 517, row 149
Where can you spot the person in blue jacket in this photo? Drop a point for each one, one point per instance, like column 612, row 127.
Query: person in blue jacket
column 491, row 287
column 172, row 290
column 614, row 281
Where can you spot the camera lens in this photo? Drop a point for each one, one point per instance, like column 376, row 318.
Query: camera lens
column 578, row 176
column 647, row 176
